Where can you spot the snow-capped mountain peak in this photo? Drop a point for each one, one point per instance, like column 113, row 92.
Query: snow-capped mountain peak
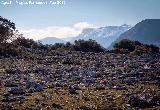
column 103, row 35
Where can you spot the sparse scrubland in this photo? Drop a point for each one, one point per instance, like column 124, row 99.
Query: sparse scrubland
column 78, row 76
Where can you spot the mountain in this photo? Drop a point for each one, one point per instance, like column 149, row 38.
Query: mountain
column 146, row 31
column 51, row 40
column 104, row 35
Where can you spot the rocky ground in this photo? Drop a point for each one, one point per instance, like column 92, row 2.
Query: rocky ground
column 80, row 81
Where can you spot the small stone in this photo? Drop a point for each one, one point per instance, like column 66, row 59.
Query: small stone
column 12, row 98
column 135, row 101
column 84, row 108
column 72, row 90
column 57, row 105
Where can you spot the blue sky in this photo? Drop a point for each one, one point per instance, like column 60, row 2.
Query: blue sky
column 96, row 12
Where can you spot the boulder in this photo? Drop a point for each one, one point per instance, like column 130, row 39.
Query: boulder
column 135, row 101
column 57, row 105
column 34, row 87
column 83, row 108
column 155, row 100
column 12, row 98
column 16, row 90
column 72, row 90
column 100, row 87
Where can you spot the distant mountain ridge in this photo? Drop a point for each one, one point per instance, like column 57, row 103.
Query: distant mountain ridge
column 103, row 35
column 51, row 40
column 146, row 31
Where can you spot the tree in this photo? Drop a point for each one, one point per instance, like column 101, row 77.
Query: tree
column 154, row 48
column 21, row 41
column 134, row 47
column 88, row 46
column 125, row 44
column 7, row 31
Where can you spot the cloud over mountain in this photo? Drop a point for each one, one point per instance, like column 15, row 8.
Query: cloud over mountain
column 58, row 31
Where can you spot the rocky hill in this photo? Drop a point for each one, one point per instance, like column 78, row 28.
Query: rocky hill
column 147, row 31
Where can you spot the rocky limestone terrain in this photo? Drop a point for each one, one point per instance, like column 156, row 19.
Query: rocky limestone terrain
column 73, row 80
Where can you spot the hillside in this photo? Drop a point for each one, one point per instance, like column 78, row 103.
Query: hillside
column 146, row 31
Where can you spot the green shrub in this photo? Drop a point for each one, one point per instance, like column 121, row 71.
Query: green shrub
column 87, row 46
column 21, row 41
column 134, row 47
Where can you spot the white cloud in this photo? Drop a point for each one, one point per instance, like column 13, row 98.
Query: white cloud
column 56, row 31
column 82, row 25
